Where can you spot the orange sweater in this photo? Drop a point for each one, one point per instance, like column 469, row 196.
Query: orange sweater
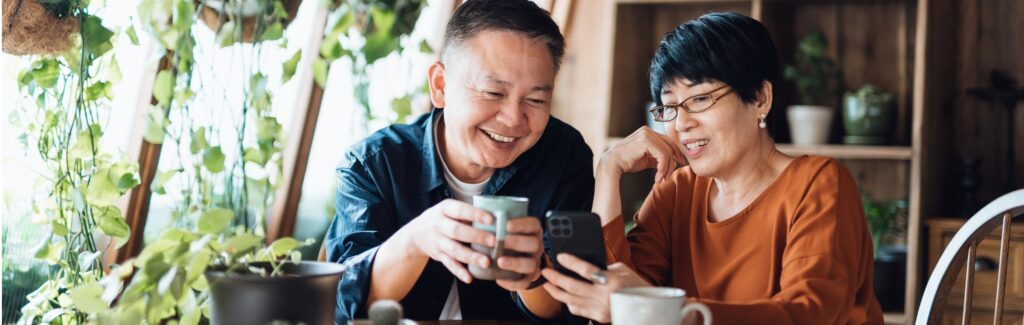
column 800, row 253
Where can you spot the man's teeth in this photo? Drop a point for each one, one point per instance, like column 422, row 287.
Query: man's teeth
column 696, row 144
column 498, row 137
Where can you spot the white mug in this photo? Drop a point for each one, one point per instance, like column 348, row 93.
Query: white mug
column 654, row 306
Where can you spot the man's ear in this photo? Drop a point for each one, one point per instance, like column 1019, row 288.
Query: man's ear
column 435, row 76
column 764, row 98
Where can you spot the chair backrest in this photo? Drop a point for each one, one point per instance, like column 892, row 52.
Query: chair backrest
column 963, row 247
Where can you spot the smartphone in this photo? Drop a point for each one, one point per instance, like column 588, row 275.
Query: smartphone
column 576, row 233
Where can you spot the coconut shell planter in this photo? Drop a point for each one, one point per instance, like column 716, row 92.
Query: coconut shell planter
column 32, row 28
column 215, row 13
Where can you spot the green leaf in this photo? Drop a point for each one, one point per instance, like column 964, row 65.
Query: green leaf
column 331, row 49
column 114, row 75
column 45, row 72
column 320, row 72
column 378, row 46
column 226, row 37
column 241, row 243
column 58, row 228
column 86, row 143
column 425, row 47
column 258, row 84
column 198, row 141
column 50, row 251
column 163, row 87
column 98, row 90
column 283, row 246
column 273, row 32
column 403, row 107
column 289, row 66
column 267, row 128
column 213, row 159
column 344, row 21
column 183, row 12
column 255, row 155
column 132, row 35
column 166, row 280
column 127, row 182
column 383, row 19
column 95, row 37
column 87, row 297
column 198, row 265
column 155, row 124
column 112, row 223
column 214, row 220
column 162, row 178
column 101, row 191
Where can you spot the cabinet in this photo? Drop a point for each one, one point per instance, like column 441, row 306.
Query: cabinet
column 940, row 232
column 603, row 87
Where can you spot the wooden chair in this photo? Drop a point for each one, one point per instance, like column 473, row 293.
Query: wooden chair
column 963, row 247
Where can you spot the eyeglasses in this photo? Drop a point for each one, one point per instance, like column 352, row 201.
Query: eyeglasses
column 694, row 104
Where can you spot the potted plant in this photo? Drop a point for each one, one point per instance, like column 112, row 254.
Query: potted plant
column 39, row 26
column 816, row 78
column 886, row 223
column 867, row 116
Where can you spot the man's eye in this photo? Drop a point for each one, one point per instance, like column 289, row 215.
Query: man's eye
column 491, row 94
column 536, row 101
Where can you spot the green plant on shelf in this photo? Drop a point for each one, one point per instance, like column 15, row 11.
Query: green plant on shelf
column 815, row 75
column 887, row 220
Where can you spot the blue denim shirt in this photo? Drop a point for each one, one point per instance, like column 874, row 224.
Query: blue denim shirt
column 394, row 175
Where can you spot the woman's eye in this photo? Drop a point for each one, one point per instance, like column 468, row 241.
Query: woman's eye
column 701, row 99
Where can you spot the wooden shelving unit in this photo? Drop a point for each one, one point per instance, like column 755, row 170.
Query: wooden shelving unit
column 886, row 43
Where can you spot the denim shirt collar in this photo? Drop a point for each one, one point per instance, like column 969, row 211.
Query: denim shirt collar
column 432, row 177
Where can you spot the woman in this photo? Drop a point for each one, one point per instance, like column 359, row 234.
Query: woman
column 756, row 235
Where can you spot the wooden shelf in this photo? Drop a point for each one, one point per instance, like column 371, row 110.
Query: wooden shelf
column 895, row 318
column 840, row 151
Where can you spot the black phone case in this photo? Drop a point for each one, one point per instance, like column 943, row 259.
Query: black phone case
column 576, row 233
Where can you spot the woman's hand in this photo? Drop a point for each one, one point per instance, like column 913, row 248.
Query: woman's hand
column 586, row 299
column 642, row 150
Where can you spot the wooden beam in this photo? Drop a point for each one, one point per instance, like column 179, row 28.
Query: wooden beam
column 282, row 214
column 138, row 198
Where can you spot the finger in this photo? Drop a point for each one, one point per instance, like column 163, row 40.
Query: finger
column 525, row 225
column 463, row 254
column 513, row 285
column 456, row 268
column 522, row 265
column 465, row 233
column 577, row 265
column 575, row 303
column 569, row 284
column 461, row 211
column 532, row 244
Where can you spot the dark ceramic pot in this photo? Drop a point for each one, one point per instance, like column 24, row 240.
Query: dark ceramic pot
column 890, row 278
column 307, row 293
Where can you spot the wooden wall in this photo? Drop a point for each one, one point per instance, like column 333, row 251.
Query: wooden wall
column 989, row 37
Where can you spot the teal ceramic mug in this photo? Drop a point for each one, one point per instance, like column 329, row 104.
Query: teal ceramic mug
column 504, row 209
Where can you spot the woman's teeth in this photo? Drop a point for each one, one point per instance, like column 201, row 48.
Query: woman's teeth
column 498, row 137
column 696, row 144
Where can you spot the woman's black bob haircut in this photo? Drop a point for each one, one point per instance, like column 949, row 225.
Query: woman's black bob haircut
column 728, row 47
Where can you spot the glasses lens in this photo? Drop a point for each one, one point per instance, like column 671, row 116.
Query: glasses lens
column 699, row 103
column 663, row 113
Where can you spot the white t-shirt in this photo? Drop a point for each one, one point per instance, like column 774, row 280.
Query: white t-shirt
column 464, row 192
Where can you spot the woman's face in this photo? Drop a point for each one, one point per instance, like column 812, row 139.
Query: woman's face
column 715, row 140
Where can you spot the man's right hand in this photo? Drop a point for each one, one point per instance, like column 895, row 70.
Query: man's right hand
column 442, row 231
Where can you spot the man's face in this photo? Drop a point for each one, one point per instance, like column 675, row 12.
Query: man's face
column 495, row 89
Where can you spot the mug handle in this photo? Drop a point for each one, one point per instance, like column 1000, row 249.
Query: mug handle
column 501, row 231
column 698, row 307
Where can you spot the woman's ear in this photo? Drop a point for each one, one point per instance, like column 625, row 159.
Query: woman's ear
column 435, row 77
column 764, row 98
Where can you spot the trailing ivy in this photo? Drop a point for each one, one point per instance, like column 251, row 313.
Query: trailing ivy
column 67, row 103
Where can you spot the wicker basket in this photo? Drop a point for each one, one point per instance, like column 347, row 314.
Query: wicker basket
column 31, row 29
column 213, row 17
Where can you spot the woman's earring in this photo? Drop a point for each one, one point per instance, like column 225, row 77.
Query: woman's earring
column 760, row 121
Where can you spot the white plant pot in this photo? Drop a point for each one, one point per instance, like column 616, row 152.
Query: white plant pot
column 809, row 124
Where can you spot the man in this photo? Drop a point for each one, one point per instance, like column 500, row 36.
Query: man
column 404, row 203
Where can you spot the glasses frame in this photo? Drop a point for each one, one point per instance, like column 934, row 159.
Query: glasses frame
column 675, row 108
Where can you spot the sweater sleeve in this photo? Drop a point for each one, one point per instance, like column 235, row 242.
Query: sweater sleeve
column 646, row 248
column 827, row 258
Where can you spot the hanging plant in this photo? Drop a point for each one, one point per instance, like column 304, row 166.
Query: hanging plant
column 37, row 27
column 268, row 19
column 68, row 104
column 365, row 31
